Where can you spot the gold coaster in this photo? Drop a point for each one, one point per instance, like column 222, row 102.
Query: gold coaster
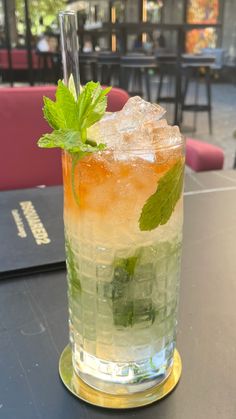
column 88, row 394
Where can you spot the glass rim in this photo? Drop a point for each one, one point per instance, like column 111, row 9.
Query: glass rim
column 135, row 151
column 152, row 148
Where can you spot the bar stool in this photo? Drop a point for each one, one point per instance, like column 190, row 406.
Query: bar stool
column 133, row 66
column 88, row 66
column 191, row 66
column 108, row 64
column 166, row 63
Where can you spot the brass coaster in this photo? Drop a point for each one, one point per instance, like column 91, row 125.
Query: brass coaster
column 88, row 394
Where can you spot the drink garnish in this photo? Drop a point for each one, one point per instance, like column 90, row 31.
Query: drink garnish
column 70, row 117
column 158, row 208
column 128, row 311
column 72, row 269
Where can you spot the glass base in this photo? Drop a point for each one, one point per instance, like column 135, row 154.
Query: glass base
column 123, row 377
column 119, row 401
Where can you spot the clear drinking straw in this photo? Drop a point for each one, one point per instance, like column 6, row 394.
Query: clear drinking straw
column 69, row 48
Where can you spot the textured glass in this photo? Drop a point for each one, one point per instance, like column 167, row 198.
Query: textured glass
column 122, row 282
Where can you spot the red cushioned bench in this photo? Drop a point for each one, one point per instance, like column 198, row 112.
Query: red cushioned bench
column 22, row 163
column 201, row 156
column 19, row 59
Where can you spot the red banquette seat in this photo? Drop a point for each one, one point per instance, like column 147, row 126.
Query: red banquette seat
column 202, row 156
column 19, row 59
column 22, row 163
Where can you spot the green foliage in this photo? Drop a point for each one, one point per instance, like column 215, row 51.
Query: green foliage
column 68, row 140
column 158, row 208
column 126, row 310
column 92, row 104
column 72, row 270
column 45, row 9
column 70, row 117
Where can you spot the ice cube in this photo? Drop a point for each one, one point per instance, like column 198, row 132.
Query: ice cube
column 138, row 126
column 105, row 131
column 149, row 111
column 137, row 111
column 168, row 139
column 153, row 126
column 138, row 139
column 166, row 135
column 151, row 133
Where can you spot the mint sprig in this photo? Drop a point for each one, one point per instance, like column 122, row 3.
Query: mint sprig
column 70, row 117
column 158, row 208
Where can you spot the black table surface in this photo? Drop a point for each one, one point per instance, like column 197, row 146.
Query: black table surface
column 33, row 324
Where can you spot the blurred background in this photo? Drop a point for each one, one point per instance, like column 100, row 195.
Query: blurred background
column 179, row 52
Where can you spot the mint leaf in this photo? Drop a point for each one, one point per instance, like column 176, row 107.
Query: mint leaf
column 128, row 310
column 92, row 104
column 58, row 138
column 123, row 312
column 158, row 208
column 53, row 115
column 61, row 114
column 122, row 302
column 67, row 104
column 69, row 141
column 72, row 269
column 125, row 266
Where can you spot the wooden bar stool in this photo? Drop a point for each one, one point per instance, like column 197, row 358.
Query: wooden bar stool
column 133, row 67
column 88, row 66
column 191, row 67
column 109, row 68
column 166, row 63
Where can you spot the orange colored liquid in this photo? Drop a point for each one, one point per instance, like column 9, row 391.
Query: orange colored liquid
column 104, row 185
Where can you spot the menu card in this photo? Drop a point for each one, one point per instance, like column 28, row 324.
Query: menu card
column 31, row 231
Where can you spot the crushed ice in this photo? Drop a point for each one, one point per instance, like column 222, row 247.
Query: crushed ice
column 138, row 126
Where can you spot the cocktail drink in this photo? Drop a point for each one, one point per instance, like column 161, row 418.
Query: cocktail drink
column 123, row 229
column 123, row 212
column 123, row 232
